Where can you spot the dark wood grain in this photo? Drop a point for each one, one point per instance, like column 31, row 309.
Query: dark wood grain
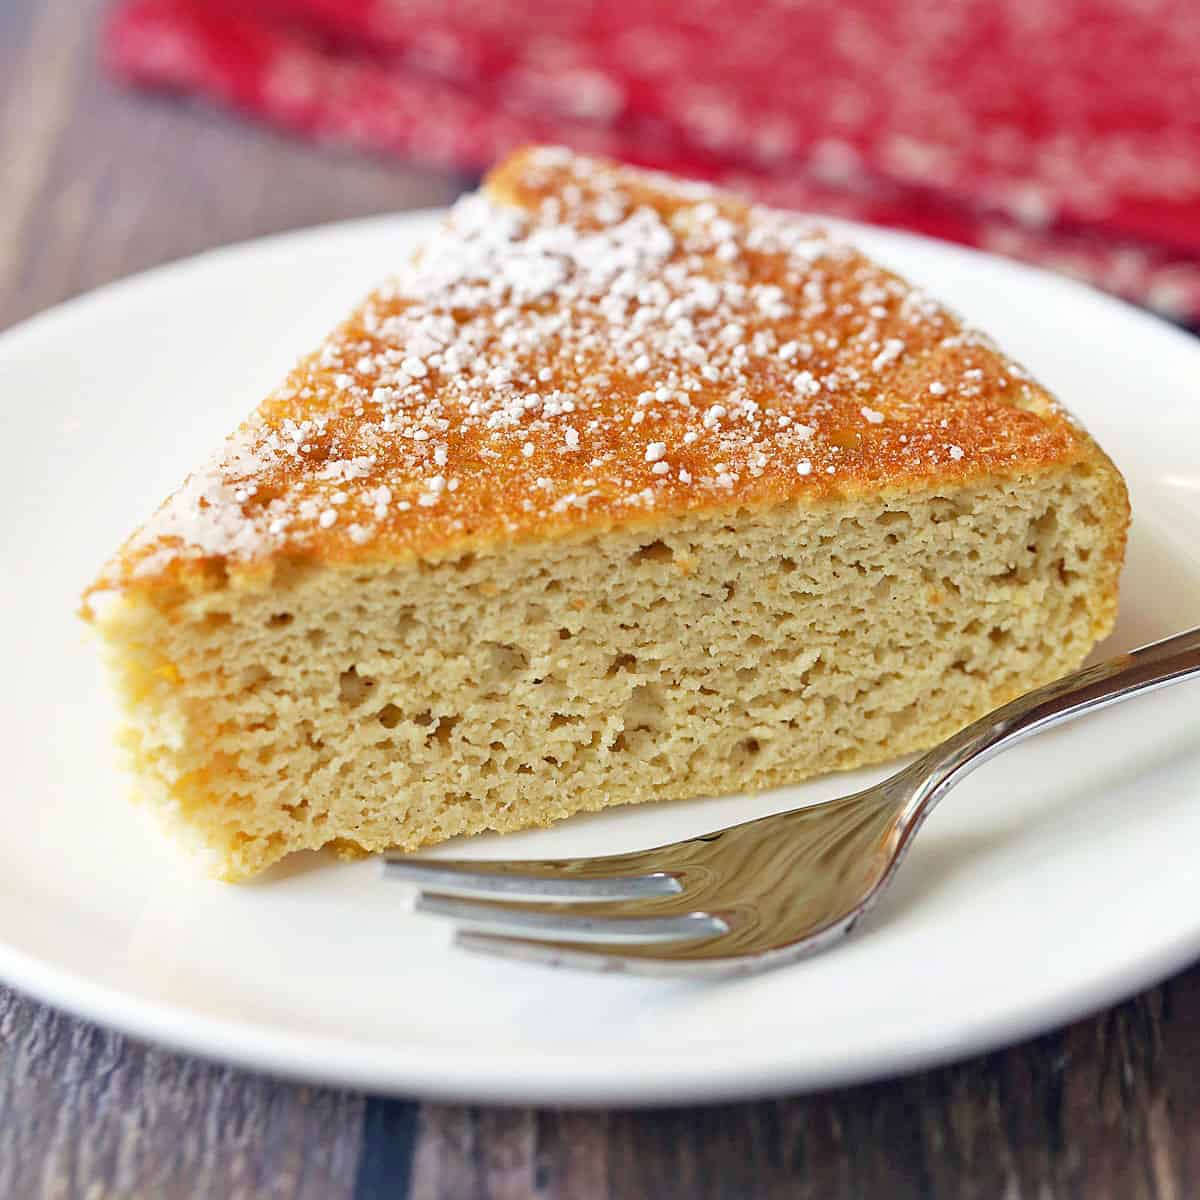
column 96, row 184
column 84, row 1112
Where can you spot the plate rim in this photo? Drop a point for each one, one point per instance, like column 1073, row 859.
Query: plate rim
column 343, row 1063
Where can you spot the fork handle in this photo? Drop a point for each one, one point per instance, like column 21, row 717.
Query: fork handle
column 1143, row 670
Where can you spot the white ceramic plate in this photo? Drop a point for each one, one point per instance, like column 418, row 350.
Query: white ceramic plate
column 1056, row 880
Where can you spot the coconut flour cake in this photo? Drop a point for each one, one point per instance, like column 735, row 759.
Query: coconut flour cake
column 623, row 490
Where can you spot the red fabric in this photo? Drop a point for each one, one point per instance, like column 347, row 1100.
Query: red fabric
column 1064, row 132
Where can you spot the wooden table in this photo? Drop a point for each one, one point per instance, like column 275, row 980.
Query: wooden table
column 95, row 184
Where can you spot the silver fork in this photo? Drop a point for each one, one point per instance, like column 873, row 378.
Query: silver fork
column 765, row 892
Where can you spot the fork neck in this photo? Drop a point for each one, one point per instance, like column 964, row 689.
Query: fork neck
column 1146, row 669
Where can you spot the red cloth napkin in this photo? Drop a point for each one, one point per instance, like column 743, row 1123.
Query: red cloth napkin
column 1063, row 132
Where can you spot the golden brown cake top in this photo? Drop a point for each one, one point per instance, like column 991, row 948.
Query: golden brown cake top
column 583, row 345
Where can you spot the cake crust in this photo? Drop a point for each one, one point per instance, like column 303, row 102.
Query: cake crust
column 585, row 346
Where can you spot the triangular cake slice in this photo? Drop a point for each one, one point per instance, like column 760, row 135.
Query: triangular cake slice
column 623, row 490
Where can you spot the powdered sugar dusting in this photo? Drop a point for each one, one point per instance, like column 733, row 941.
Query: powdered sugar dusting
column 582, row 341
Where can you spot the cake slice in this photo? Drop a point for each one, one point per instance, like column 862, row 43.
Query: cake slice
column 622, row 490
